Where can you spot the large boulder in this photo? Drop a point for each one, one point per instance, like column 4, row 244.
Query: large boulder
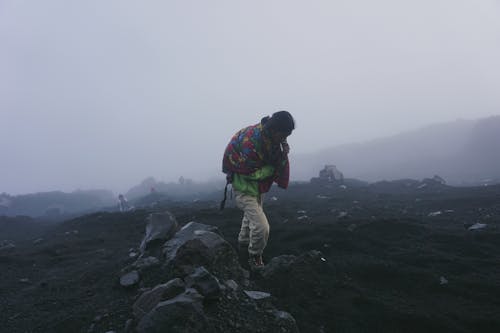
column 195, row 245
column 160, row 227
column 162, row 292
column 187, row 232
column 182, row 314
column 204, row 282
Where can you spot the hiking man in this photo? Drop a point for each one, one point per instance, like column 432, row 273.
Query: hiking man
column 123, row 204
column 255, row 158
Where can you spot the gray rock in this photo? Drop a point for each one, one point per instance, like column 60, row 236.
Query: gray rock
column 148, row 300
column 7, row 245
column 257, row 295
column 160, row 227
column 194, row 246
column 204, row 282
column 38, row 241
column 278, row 264
column 142, row 264
column 232, row 285
column 130, row 279
column 182, row 314
column 285, row 321
column 129, row 328
column 190, row 231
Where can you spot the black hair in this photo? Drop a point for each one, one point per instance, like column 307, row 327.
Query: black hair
column 281, row 121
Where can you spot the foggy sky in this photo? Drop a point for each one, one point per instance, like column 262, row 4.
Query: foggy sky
column 101, row 94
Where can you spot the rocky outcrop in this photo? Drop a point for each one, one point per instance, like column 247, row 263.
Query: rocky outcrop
column 201, row 288
column 329, row 174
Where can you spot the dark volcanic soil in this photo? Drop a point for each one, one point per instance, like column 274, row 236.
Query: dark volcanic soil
column 397, row 258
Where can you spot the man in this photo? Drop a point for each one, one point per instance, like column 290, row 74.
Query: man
column 123, row 204
column 255, row 158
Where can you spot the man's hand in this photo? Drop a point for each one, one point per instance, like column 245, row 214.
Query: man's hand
column 285, row 147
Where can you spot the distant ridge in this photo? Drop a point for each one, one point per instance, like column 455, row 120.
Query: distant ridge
column 463, row 152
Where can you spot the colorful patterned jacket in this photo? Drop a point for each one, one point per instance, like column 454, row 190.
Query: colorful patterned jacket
column 249, row 150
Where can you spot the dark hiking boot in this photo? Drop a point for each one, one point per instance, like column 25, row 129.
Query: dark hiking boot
column 256, row 262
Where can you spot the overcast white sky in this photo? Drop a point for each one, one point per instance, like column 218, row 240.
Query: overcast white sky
column 103, row 93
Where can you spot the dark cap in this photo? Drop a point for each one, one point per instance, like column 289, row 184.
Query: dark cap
column 282, row 121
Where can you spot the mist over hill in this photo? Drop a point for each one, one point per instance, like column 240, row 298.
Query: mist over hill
column 463, row 152
column 55, row 204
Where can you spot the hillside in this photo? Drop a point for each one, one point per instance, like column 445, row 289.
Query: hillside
column 393, row 257
column 462, row 152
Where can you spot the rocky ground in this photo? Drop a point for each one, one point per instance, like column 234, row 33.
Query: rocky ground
column 400, row 256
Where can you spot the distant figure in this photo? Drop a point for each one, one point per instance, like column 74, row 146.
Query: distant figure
column 255, row 158
column 123, row 204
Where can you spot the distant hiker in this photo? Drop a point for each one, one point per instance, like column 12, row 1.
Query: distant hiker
column 255, row 158
column 123, row 204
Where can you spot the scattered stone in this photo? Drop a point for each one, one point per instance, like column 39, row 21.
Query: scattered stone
column 99, row 318
column 130, row 279
column 38, row 241
column 257, row 295
column 342, row 215
column 443, row 280
column 477, row 226
column 7, row 245
column 432, row 214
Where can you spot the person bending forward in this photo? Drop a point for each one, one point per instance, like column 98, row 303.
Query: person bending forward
column 255, row 158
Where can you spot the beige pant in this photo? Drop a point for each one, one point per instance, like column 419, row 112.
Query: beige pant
column 254, row 226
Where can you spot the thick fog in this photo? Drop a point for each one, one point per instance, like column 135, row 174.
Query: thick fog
column 102, row 94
